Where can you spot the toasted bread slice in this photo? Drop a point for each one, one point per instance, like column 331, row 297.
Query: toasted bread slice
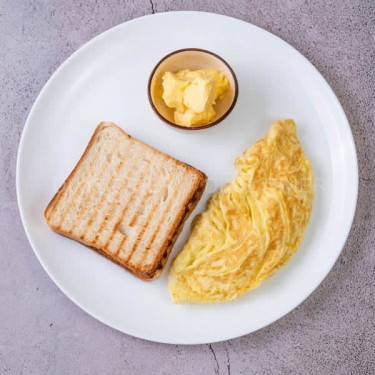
column 126, row 200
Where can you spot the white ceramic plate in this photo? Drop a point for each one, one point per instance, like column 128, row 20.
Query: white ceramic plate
column 107, row 80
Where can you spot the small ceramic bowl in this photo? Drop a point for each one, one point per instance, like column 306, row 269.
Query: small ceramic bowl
column 192, row 59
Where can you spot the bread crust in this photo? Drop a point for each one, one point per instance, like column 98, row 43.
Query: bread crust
column 154, row 270
column 158, row 266
column 65, row 184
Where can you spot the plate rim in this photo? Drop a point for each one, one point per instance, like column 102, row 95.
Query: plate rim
column 353, row 188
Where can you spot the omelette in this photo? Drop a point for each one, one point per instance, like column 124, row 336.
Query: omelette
column 252, row 226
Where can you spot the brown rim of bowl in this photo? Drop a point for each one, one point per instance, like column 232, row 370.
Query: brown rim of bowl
column 209, row 125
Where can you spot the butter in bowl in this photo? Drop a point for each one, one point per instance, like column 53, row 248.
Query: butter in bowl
column 192, row 89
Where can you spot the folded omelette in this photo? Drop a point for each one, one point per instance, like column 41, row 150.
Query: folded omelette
column 252, row 226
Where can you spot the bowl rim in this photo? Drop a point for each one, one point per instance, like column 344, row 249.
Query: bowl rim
column 209, row 125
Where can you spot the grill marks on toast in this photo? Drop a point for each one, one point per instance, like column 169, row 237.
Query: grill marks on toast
column 179, row 214
column 77, row 191
column 136, row 214
column 123, row 213
column 162, row 220
column 148, row 219
column 130, row 169
column 94, row 191
column 120, row 219
column 173, row 234
column 126, row 200
column 90, row 223
column 109, row 186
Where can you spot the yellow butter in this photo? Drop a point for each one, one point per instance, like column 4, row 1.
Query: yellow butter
column 173, row 91
column 191, row 118
column 193, row 94
column 199, row 94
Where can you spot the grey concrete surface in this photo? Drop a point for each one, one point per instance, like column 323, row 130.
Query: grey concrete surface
column 42, row 332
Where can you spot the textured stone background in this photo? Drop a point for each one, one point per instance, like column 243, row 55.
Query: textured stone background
column 42, row 332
